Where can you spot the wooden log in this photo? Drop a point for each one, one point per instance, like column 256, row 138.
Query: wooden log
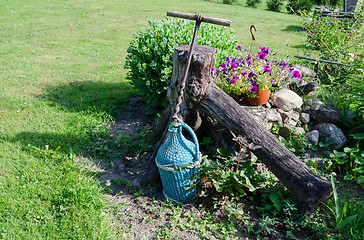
column 308, row 188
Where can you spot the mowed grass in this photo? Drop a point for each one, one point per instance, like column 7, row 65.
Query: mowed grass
column 62, row 80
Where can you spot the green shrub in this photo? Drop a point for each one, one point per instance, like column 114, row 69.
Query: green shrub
column 228, row 1
column 252, row 3
column 274, row 5
column 297, row 6
column 339, row 41
column 150, row 54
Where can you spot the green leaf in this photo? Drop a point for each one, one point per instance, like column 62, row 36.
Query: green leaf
column 360, row 179
column 358, row 136
column 351, row 150
column 222, row 152
column 346, row 221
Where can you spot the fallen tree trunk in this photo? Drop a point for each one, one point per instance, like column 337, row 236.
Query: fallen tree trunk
column 202, row 95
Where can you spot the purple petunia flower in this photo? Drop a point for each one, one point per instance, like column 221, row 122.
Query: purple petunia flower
column 284, row 64
column 243, row 73
column 238, row 47
column 214, row 71
column 261, row 55
column 252, row 81
column 265, row 50
column 296, row 74
column 253, row 89
column 251, row 74
column 223, row 65
column 249, row 62
column 231, row 80
column 246, row 49
column 234, row 65
column 267, row 69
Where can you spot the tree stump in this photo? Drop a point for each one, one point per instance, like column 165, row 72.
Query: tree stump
column 201, row 95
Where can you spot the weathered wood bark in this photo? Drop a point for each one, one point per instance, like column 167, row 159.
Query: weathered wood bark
column 202, row 94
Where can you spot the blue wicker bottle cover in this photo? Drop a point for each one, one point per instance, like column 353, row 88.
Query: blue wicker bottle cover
column 178, row 160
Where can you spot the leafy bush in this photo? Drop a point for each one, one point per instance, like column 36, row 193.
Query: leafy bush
column 274, row 5
column 150, row 54
column 297, row 6
column 331, row 3
column 252, row 3
column 336, row 40
column 229, row 178
column 228, row 1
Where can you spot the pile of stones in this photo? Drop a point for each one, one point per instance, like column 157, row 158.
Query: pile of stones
column 296, row 113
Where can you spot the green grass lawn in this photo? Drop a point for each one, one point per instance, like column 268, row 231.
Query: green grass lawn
column 62, row 79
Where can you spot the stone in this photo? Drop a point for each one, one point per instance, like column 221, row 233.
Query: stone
column 284, row 115
column 268, row 105
column 266, row 116
column 327, row 114
column 294, row 115
column 286, row 100
column 309, row 102
column 332, row 133
column 305, row 71
column 310, row 87
column 306, row 108
column 316, row 105
column 313, row 137
column 287, row 130
column 305, row 117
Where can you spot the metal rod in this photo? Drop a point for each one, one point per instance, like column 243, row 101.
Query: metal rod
column 183, row 83
column 320, row 60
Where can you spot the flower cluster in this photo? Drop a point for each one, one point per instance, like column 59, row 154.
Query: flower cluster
column 249, row 74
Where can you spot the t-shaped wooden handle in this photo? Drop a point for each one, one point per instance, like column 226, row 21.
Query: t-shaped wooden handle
column 217, row 21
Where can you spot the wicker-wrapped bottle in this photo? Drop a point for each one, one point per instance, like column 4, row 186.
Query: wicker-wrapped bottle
column 178, row 160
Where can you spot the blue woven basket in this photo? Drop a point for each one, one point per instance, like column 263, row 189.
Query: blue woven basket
column 178, row 160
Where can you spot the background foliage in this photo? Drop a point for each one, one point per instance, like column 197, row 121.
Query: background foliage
column 150, row 54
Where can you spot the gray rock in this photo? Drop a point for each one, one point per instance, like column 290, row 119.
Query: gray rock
column 332, row 133
column 310, row 87
column 309, row 102
column 284, row 115
column 266, row 116
column 305, row 71
column 313, row 137
column 327, row 114
column 286, row 99
column 305, row 117
column 294, row 115
column 316, row 105
column 267, row 105
column 287, row 130
column 306, row 108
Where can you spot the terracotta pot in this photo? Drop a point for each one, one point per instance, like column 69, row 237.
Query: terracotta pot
column 262, row 98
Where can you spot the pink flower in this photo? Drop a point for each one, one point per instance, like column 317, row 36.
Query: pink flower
column 267, row 69
column 261, row 55
column 253, row 89
column 296, row 74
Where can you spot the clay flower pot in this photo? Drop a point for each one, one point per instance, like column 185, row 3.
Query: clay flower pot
column 262, row 98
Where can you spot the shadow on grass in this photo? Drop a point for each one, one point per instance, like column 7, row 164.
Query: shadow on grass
column 89, row 95
column 293, row 28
